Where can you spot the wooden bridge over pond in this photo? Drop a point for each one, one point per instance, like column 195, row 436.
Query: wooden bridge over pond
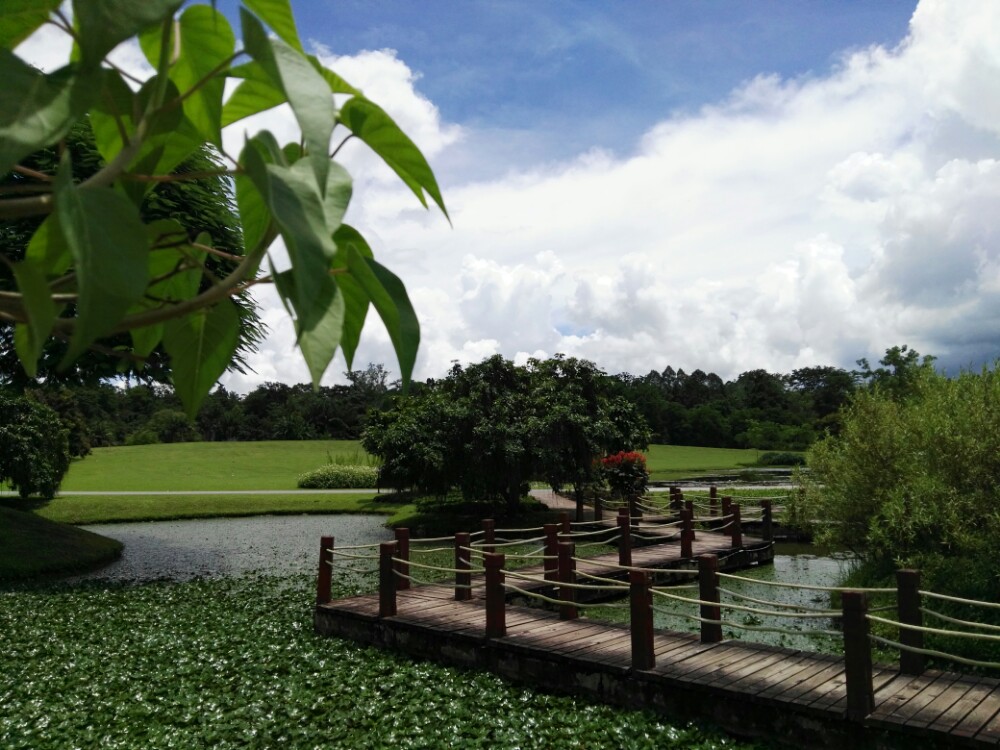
column 478, row 619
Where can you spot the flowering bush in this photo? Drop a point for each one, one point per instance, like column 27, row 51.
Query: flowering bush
column 625, row 472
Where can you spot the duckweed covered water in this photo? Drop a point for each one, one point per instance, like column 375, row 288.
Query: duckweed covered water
column 233, row 663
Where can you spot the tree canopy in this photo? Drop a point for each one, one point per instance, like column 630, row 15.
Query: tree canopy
column 490, row 428
column 97, row 267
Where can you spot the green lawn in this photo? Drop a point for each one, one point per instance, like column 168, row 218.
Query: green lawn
column 266, row 465
column 675, row 461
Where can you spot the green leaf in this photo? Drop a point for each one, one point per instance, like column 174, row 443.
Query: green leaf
column 308, row 93
column 337, row 84
column 356, row 300
column 249, row 98
column 42, row 312
column 373, row 126
column 36, row 109
column 145, row 340
column 19, row 18
column 318, row 321
column 109, row 246
column 206, row 41
column 278, row 15
column 388, row 295
column 104, row 24
column 48, row 248
column 296, row 206
column 201, row 346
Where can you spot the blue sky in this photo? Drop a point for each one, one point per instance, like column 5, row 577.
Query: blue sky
column 724, row 185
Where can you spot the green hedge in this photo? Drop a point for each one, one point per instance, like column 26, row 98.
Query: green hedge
column 334, row 477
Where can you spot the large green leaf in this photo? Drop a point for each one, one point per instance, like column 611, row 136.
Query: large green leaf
column 104, row 24
column 278, row 15
column 36, row 109
column 19, row 18
column 201, row 346
column 388, row 296
column 112, row 113
column 337, row 84
column 308, row 93
column 206, row 40
column 249, row 98
column 356, row 300
column 373, row 126
column 109, row 246
column 318, row 321
column 48, row 247
column 297, row 207
column 29, row 339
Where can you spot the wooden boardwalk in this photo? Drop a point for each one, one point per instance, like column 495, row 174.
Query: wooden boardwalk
column 752, row 689
column 798, row 697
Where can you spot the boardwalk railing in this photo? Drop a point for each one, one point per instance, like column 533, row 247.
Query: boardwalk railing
column 482, row 558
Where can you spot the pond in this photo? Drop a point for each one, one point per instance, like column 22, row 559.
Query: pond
column 181, row 550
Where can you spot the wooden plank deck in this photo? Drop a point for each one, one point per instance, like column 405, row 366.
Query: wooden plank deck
column 952, row 709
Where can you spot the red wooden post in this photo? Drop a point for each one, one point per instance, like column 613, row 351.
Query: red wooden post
column 565, row 526
column 551, row 552
column 908, row 603
column 713, row 505
column 727, row 503
column 687, row 533
column 325, row 577
column 713, row 492
column 676, row 500
column 641, row 610
column 737, row 529
column 857, row 656
column 689, row 505
column 567, row 574
column 708, row 591
column 463, row 580
column 489, row 535
column 625, row 542
column 633, row 507
column 767, row 521
column 496, row 598
column 403, row 553
column 386, row 580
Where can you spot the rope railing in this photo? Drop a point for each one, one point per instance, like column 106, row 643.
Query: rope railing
column 349, row 556
column 934, row 653
column 439, row 568
column 935, row 631
column 959, row 600
column 956, row 621
column 513, row 543
column 782, row 605
column 808, row 587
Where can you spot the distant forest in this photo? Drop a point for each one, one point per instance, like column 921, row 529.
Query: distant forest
column 758, row 409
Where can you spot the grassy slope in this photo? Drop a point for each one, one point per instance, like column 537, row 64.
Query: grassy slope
column 266, row 465
column 31, row 546
column 113, row 508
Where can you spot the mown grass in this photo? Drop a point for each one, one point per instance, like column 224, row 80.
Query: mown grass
column 78, row 509
column 676, row 461
column 264, row 465
column 31, row 546
column 233, row 663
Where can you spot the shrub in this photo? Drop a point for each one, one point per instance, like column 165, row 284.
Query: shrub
column 625, row 473
column 781, row 458
column 34, row 450
column 336, row 477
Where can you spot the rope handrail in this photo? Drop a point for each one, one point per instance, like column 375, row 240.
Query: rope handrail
column 509, row 544
column 431, row 550
column 588, row 587
column 938, row 654
column 531, row 556
column 359, row 546
column 615, row 566
column 784, row 605
column 808, row 587
column 427, row 539
column 559, row 602
column 649, row 538
column 515, row 531
column 438, row 568
column 956, row 621
column 959, row 600
column 785, row 631
column 655, row 525
column 576, row 534
column 349, row 556
column 591, row 544
column 935, row 631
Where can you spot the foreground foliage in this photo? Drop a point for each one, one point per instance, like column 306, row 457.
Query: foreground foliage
column 97, row 267
column 233, row 663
